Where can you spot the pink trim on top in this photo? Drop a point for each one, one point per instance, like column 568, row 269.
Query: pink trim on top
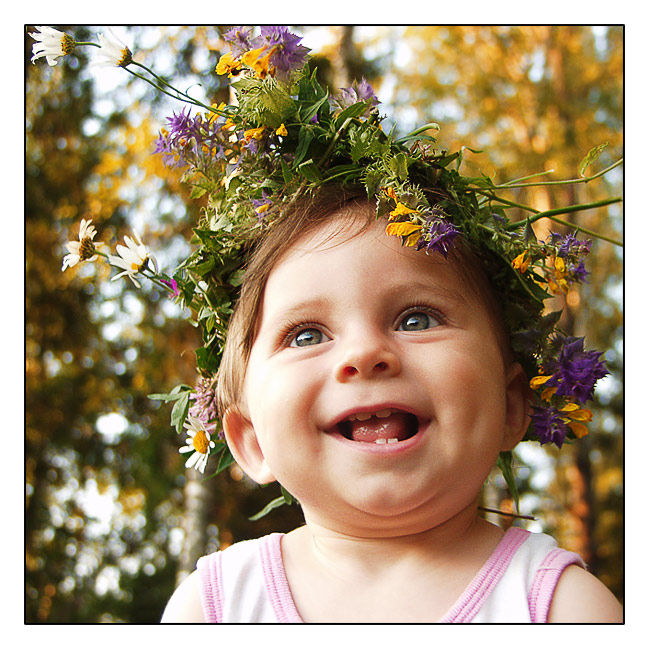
column 209, row 568
column 275, row 577
column 545, row 581
column 474, row 596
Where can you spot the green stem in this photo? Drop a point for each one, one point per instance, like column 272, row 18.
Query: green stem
column 565, row 210
column 572, row 181
column 414, row 134
column 335, row 139
column 156, row 86
column 180, row 94
column 525, row 178
column 154, row 278
column 512, row 204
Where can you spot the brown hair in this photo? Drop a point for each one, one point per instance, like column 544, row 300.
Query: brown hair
column 303, row 218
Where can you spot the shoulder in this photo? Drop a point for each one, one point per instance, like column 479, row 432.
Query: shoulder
column 185, row 604
column 581, row 598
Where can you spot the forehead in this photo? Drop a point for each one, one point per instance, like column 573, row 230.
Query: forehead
column 346, row 250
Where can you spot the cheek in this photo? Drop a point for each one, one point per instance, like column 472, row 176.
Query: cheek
column 278, row 398
column 474, row 384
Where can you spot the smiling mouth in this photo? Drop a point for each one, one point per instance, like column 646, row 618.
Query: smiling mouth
column 382, row 427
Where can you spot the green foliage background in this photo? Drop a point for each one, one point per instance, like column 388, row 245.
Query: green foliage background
column 106, row 505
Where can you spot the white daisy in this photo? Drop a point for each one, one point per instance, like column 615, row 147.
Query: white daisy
column 133, row 258
column 84, row 249
column 51, row 44
column 112, row 52
column 199, row 442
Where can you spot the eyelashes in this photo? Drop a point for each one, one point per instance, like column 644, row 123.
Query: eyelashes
column 419, row 318
column 306, row 333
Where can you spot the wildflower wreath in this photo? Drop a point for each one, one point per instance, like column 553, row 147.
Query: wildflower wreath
column 285, row 137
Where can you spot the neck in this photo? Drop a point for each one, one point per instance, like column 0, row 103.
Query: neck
column 345, row 548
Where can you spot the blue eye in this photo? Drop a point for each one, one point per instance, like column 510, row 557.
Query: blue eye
column 417, row 321
column 309, row 336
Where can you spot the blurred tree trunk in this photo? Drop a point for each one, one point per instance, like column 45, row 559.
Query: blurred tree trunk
column 345, row 58
column 198, row 504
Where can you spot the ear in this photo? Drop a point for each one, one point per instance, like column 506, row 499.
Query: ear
column 518, row 397
column 242, row 442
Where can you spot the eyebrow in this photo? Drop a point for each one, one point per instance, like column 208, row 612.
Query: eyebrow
column 417, row 287
column 409, row 290
column 298, row 309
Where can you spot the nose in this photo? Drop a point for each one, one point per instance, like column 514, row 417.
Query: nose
column 369, row 357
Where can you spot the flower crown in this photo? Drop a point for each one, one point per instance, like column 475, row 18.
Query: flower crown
column 285, row 137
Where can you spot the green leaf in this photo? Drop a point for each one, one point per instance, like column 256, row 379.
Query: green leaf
column 204, row 267
column 276, row 503
column 308, row 112
column 351, row 111
column 504, row 463
column 226, row 460
column 205, row 359
column 174, row 394
column 398, row 165
column 590, row 157
column 285, row 499
column 305, row 138
column 197, row 192
column 309, row 170
column 179, row 412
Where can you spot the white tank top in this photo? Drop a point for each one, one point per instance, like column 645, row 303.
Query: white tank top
column 246, row 583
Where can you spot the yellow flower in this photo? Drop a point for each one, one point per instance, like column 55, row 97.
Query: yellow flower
column 402, row 209
column 258, row 61
column 558, row 284
column 405, row 229
column 539, row 381
column 212, row 116
column 521, row 262
column 254, row 133
column 576, row 416
column 390, row 192
column 229, row 65
column 281, row 130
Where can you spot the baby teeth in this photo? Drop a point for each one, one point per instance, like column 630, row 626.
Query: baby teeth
column 384, row 413
column 383, row 441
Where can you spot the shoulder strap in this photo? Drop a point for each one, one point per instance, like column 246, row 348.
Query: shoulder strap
column 275, row 577
column 485, row 581
column 209, row 569
column 545, row 582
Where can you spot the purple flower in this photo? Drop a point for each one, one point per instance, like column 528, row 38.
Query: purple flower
column 570, row 245
column 576, row 370
column 439, row 235
column 359, row 91
column 173, row 287
column 549, row 425
column 205, row 404
column 191, row 140
column 287, row 54
column 572, row 251
column 262, row 205
column 239, row 39
column 182, row 125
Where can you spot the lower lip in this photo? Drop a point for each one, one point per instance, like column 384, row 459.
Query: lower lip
column 383, row 449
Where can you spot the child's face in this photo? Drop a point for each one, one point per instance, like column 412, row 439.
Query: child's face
column 363, row 329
